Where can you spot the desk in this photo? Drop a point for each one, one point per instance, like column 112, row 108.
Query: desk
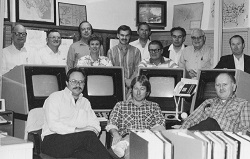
column 15, row 148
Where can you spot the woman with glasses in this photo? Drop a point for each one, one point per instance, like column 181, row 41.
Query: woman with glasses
column 94, row 59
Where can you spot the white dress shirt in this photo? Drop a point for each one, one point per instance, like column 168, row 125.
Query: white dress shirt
column 144, row 50
column 239, row 64
column 63, row 115
column 173, row 55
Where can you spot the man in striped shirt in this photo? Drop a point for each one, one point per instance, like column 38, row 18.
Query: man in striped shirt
column 156, row 59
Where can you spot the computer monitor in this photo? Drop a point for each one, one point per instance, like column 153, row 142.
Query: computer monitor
column 104, row 87
column 206, row 85
column 163, row 82
column 27, row 86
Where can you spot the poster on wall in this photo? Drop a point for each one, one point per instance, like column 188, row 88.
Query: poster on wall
column 6, row 10
column 36, row 11
column 188, row 16
column 235, row 14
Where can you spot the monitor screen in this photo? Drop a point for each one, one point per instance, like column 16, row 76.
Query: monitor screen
column 100, row 85
column 209, row 90
column 162, row 86
column 44, row 85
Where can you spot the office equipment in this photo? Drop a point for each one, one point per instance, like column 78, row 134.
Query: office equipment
column 27, row 86
column 2, row 105
column 7, row 124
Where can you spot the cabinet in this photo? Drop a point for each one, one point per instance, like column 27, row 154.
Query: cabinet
column 9, row 125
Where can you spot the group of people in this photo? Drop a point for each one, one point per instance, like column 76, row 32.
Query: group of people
column 71, row 127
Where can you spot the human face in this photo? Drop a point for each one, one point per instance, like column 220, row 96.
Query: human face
column 124, row 37
column 19, row 35
column 94, row 46
column 178, row 38
column 237, row 46
column 198, row 40
column 54, row 39
column 143, row 32
column 224, row 86
column 86, row 30
column 155, row 51
column 75, row 84
column 139, row 92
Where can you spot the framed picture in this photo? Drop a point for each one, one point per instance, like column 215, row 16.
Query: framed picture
column 6, row 10
column 71, row 14
column 152, row 12
column 43, row 12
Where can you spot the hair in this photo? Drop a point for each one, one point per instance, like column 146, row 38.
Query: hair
column 178, row 28
column 75, row 69
column 237, row 36
column 156, row 42
column 229, row 75
column 51, row 31
column 79, row 27
column 94, row 37
column 124, row 28
column 143, row 80
column 198, row 29
column 143, row 23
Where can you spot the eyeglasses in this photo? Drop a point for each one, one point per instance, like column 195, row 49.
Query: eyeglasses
column 154, row 50
column 55, row 38
column 197, row 38
column 76, row 82
column 20, row 33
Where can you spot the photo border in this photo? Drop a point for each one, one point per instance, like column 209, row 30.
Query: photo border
column 7, row 10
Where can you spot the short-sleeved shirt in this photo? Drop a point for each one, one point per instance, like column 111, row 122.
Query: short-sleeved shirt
column 165, row 62
column 88, row 61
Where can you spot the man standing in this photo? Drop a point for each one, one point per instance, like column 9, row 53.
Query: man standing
column 144, row 31
column 125, row 55
column 175, row 50
column 50, row 54
column 231, row 113
column 156, row 59
column 198, row 56
column 17, row 53
column 71, row 126
column 238, row 60
column 81, row 48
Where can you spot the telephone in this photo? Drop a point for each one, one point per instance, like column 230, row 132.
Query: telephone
column 186, row 87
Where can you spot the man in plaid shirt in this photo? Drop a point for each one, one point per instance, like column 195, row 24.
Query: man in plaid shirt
column 230, row 112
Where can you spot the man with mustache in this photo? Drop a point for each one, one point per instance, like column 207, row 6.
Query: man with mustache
column 226, row 110
column 198, row 55
column 71, row 127
column 237, row 60
column 17, row 53
column 125, row 55
column 50, row 53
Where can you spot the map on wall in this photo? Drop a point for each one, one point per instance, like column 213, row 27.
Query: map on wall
column 235, row 13
column 71, row 14
column 186, row 14
column 36, row 10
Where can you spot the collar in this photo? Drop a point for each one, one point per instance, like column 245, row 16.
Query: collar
column 132, row 101
column 122, row 47
column 161, row 61
column 22, row 49
column 51, row 52
column 82, row 43
column 242, row 57
column 70, row 93
column 218, row 100
column 171, row 47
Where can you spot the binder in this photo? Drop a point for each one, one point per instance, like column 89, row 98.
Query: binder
column 186, row 144
column 168, row 147
column 209, row 143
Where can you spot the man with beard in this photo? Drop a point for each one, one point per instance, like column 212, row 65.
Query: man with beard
column 238, row 60
column 174, row 51
column 50, row 54
column 144, row 32
column 17, row 53
column 198, row 55
column 81, row 47
column 125, row 55
column 71, row 127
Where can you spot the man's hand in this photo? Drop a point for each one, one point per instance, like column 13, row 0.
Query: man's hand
column 192, row 73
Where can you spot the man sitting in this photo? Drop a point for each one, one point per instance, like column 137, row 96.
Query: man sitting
column 230, row 112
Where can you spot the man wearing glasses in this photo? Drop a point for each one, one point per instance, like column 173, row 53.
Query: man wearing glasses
column 198, row 55
column 17, row 53
column 174, row 51
column 50, row 54
column 71, row 127
column 156, row 59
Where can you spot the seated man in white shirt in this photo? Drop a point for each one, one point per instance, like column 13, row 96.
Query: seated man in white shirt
column 50, row 53
column 17, row 53
column 144, row 31
column 71, row 127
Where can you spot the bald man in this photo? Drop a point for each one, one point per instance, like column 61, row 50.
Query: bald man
column 198, row 55
column 17, row 53
column 230, row 112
